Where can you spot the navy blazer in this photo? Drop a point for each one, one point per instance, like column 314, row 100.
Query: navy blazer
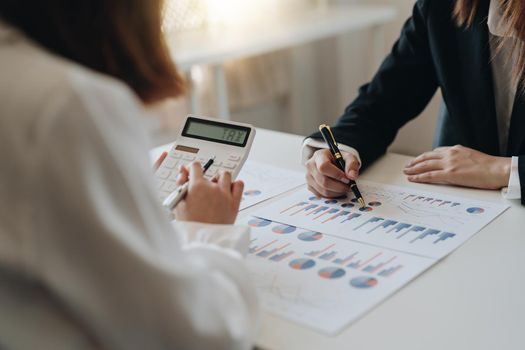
column 433, row 52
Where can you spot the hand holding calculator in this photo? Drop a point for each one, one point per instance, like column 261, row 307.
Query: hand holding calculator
column 201, row 139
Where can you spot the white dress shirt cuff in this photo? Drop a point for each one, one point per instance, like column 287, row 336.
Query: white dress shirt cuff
column 513, row 191
column 311, row 145
column 229, row 239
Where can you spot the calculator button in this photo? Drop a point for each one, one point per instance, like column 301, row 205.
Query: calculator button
column 160, row 184
column 188, row 157
column 234, row 158
column 212, row 171
column 163, row 173
column 217, row 163
column 229, row 165
column 177, row 155
column 169, row 186
column 173, row 176
column 169, row 163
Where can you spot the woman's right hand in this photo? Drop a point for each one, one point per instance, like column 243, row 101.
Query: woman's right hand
column 325, row 179
column 212, row 202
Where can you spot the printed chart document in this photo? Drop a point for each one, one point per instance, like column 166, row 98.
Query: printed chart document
column 324, row 262
column 320, row 281
column 263, row 181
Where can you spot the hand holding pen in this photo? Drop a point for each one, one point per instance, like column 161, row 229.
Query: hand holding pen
column 326, row 178
column 214, row 202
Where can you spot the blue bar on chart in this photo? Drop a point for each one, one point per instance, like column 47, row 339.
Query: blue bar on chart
column 358, row 264
column 346, row 260
column 436, row 202
column 328, row 256
column 300, row 204
column 338, row 215
column 385, row 224
column 413, row 229
column 315, row 253
column 331, row 211
column 369, row 221
column 281, row 256
column 305, row 209
column 428, row 232
column 373, row 268
column 266, row 253
column 317, row 211
column 444, row 236
column 351, row 217
column 399, row 227
column 256, row 248
column 390, row 271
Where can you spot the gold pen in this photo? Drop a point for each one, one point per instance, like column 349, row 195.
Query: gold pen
column 329, row 138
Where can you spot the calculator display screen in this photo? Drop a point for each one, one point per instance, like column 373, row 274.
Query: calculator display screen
column 216, row 131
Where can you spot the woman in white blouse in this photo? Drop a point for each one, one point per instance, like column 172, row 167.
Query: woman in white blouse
column 88, row 258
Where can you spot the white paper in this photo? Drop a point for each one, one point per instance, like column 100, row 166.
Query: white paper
column 361, row 276
column 263, row 181
column 411, row 221
column 371, row 252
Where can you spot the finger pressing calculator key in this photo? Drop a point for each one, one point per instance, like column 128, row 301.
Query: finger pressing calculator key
column 200, row 139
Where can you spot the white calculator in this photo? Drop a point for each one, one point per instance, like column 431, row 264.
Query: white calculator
column 199, row 140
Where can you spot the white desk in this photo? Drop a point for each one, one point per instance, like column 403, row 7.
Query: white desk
column 473, row 299
column 217, row 46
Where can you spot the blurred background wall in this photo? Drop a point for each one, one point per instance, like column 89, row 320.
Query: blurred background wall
column 296, row 89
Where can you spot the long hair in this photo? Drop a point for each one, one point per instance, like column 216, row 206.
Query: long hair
column 513, row 13
column 120, row 38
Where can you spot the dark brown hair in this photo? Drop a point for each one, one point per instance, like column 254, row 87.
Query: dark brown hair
column 121, row 38
column 513, row 13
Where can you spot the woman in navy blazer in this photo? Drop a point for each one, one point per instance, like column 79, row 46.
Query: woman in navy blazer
column 445, row 45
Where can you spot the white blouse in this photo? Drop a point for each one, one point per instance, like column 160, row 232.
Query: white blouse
column 88, row 258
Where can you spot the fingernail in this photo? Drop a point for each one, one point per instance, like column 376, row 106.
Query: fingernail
column 345, row 180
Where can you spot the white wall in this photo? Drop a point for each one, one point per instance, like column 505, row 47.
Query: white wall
column 325, row 77
column 308, row 85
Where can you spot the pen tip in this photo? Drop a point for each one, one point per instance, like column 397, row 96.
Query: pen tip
column 362, row 202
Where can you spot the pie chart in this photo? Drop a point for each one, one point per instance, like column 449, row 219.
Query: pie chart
column 283, row 229
column 475, row 210
column 348, row 205
column 302, row 264
column 366, row 209
column 363, row 282
column 331, row 273
column 330, row 201
column 310, row 236
column 374, row 204
column 252, row 193
column 255, row 222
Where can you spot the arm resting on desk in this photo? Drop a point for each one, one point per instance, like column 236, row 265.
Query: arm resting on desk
column 400, row 90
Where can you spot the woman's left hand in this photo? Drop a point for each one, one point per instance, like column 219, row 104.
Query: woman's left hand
column 460, row 166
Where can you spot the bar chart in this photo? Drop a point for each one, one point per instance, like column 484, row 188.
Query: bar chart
column 422, row 224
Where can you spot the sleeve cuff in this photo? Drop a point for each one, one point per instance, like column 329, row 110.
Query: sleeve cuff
column 229, row 239
column 311, row 145
column 513, row 191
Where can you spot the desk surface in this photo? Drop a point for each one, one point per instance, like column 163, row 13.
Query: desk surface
column 217, row 45
column 472, row 299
